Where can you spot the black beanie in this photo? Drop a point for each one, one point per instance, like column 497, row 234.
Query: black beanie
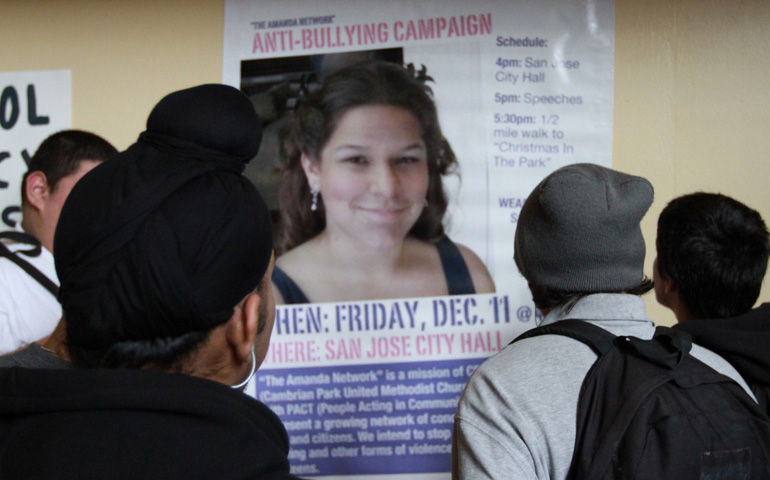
column 168, row 236
column 579, row 230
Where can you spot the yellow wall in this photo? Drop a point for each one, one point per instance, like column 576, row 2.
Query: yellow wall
column 124, row 55
column 692, row 104
column 691, row 110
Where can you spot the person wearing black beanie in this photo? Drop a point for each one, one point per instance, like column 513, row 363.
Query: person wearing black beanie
column 164, row 253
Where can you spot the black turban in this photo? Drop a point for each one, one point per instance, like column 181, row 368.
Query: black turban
column 168, row 236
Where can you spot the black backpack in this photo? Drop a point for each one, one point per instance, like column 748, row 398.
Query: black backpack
column 650, row 410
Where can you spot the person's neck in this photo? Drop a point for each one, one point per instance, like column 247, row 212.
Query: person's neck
column 56, row 344
column 215, row 360
column 681, row 311
column 350, row 254
column 32, row 225
column 682, row 314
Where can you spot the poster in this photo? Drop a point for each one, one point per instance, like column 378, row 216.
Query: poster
column 33, row 105
column 368, row 389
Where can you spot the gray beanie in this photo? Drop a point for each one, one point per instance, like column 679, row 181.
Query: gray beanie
column 579, row 230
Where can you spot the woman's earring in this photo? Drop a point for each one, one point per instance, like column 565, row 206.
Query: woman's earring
column 314, row 201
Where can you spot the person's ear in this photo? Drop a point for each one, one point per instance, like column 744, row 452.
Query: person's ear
column 667, row 284
column 36, row 190
column 312, row 172
column 243, row 328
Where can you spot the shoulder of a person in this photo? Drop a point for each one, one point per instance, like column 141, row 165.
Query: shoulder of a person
column 295, row 264
column 719, row 364
column 482, row 280
column 534, row 355
column 8, row 269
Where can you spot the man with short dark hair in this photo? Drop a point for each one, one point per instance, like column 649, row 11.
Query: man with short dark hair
column 164, row 253
column 29, row 310
column 579, row 245
column 712, row 258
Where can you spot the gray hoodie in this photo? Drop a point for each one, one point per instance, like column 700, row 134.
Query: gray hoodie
column 516, row 418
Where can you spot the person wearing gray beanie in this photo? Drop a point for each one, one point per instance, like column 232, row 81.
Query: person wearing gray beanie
column 579, row 245
column 579, row 232
column 164, row 253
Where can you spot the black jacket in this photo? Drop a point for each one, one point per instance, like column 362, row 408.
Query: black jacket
column 128, row 424
column 744, row 341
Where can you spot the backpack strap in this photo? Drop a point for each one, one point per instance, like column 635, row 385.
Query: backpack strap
column 33, row 272
column 599, row 339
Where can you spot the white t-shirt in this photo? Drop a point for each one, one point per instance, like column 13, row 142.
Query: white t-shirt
column 28, row 312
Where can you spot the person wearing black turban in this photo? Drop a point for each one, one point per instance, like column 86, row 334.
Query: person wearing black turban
column 164, row 254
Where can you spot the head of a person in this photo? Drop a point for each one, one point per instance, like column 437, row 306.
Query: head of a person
column 712, row 253
column 579, row 233
column 368, row 146
column 164, row 251
column 59, row 162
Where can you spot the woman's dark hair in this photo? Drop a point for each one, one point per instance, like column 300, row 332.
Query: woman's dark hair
column 546, row 298
column 314, row 122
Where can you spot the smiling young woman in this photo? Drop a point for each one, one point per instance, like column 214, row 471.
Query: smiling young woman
column 361, row 198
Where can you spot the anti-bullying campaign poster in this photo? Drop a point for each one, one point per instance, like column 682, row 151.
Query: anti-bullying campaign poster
column 33, row 105
column 368, row 389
